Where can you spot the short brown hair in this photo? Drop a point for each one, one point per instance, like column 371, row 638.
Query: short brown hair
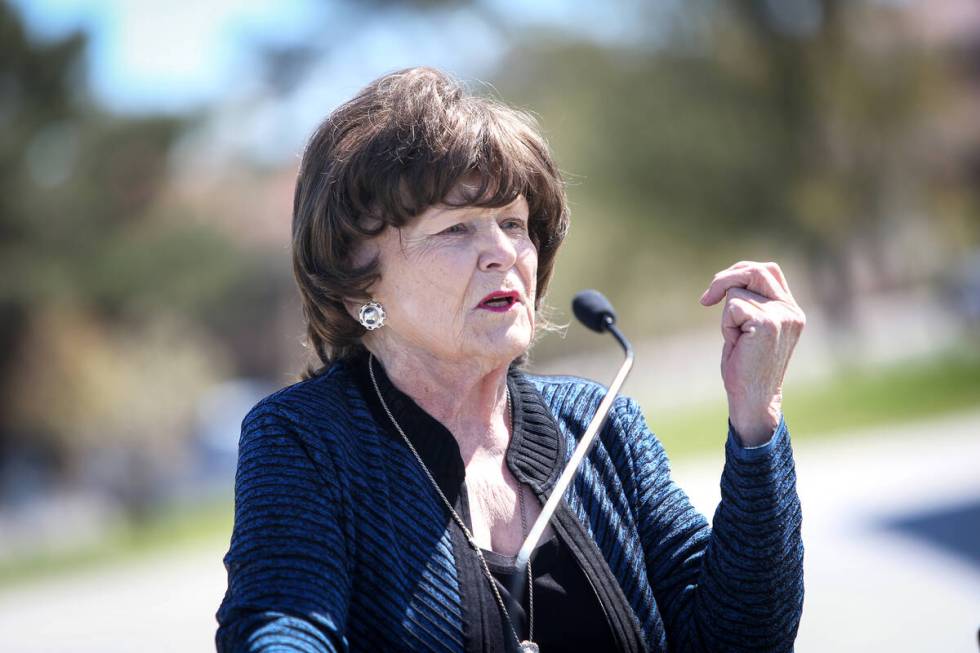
column 397, row 148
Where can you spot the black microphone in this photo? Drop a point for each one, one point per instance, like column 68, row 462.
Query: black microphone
column 595, row 312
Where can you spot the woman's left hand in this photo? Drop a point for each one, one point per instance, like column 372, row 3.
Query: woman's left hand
column 761, row 323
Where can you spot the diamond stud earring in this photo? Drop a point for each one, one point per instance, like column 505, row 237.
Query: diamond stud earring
column 371, row 316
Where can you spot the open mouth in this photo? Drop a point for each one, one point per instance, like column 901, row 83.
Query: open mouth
column 499, row 301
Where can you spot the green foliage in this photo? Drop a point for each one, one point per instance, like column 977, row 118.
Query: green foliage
column 668, row 142
column 746, row 130
column 110, row 289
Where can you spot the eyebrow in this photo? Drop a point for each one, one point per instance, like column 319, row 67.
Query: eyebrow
column 466, row 210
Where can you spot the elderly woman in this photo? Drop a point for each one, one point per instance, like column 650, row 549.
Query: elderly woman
column 380, row 501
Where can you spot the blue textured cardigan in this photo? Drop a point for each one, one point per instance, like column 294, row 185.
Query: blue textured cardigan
column 340, row 542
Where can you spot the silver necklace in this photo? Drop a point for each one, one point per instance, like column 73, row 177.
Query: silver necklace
column 527, row 645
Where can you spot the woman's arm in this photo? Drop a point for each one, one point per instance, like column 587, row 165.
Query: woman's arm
column 288, row 580
column 738, row 586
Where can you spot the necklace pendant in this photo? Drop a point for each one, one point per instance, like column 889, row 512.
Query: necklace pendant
column 527, row 646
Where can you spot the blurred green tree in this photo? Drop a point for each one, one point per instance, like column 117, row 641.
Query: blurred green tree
column 115, row 313
column 797, row 124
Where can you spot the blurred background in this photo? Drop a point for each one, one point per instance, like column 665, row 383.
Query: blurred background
column 148, row 152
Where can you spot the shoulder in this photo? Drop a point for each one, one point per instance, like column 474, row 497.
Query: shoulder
column 557, row 387
column 625, row 438
column 317, row 429
column 324, row 407
column 576, row 398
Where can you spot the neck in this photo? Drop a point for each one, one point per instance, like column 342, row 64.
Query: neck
column 467, row 397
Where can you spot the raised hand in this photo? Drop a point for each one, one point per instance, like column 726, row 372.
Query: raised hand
column 761, row 323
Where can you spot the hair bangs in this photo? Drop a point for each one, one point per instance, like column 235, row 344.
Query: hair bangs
column 489, row 163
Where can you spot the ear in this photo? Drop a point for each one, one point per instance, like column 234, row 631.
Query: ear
column 353, row 307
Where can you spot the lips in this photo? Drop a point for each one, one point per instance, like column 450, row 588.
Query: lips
column 499, row 301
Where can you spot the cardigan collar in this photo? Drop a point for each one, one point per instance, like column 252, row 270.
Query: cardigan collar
column 535, row 454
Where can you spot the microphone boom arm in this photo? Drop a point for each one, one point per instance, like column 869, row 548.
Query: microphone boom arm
column 581, row 450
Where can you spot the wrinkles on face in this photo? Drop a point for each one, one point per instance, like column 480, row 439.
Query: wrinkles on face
column 437, row 269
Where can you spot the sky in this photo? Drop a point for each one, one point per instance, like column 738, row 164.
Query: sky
column 152, row 55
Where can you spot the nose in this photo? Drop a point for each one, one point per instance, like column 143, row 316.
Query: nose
column 497, row 250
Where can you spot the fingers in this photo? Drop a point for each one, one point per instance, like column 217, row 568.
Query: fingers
column 744, row 313
column 777, row 273
column 739, row 317
column 765, row 279
column 748, row 312
column 773, row 268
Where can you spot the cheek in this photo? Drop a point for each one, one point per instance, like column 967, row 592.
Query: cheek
column 434, row 287
column 446, row 277
column 529, row 269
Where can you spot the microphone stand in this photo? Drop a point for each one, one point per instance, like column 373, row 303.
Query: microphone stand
column 581, row 450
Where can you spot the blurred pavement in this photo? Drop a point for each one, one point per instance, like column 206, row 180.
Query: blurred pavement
column 891, row 530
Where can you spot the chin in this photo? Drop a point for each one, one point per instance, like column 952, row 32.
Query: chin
column 514, row 345
column 501, row 348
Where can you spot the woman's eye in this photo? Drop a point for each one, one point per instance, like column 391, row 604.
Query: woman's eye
column 515, row 224
column 455, row 229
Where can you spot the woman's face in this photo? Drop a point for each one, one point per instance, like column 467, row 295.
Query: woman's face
column 459, row 283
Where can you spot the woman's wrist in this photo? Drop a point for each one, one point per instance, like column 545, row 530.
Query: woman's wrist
column 755, row 426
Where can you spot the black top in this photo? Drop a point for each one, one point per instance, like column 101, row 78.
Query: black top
column 567, row 614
